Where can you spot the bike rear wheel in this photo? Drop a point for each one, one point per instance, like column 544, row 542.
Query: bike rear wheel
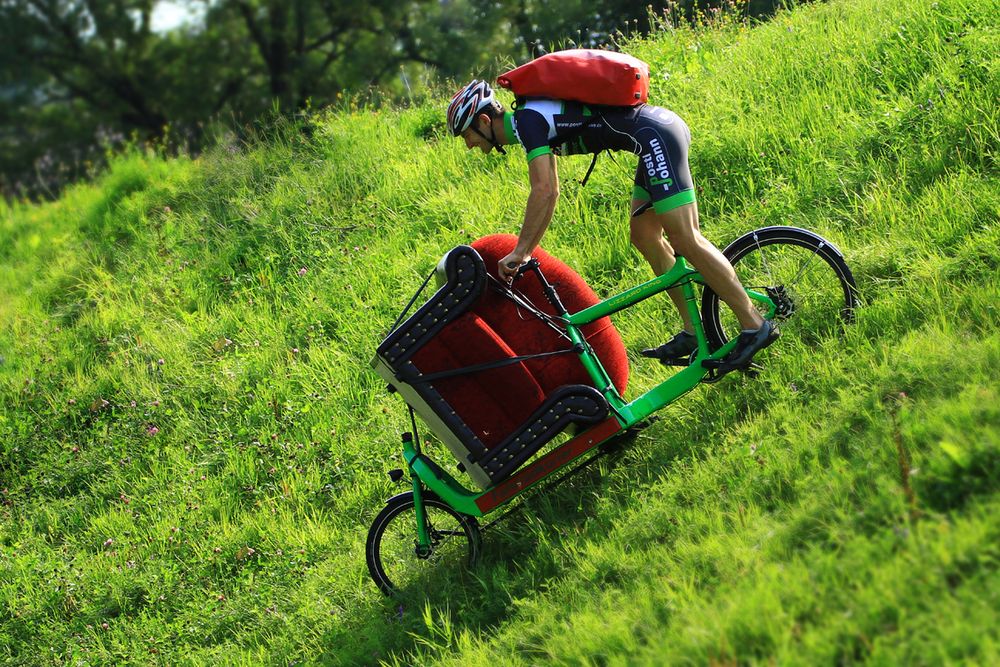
column 803, row 273
column 394, row 558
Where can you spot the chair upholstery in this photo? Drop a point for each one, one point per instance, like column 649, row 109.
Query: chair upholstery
column 493, row 420
column 494, row 402
column 527, row 335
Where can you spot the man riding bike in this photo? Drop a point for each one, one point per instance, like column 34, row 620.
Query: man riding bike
column 664, row 219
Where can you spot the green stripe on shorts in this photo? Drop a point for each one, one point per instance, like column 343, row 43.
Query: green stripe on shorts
column 639, row 193
column 675, row 201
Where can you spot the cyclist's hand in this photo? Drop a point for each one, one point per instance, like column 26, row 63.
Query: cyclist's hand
column 508, row 266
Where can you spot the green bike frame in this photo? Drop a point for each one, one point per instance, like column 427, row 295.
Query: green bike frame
column 427, row 474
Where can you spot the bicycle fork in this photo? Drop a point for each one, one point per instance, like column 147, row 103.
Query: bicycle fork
column 422, row 546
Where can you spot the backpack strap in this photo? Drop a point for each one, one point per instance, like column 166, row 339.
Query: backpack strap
column 586, row 176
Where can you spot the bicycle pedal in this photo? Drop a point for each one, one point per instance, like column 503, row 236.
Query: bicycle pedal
column 723, row 366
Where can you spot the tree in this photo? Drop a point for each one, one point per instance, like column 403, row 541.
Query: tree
column 578, row 23
column 73, row 70
column 315, row 49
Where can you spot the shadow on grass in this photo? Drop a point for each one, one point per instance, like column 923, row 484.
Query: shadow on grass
column 521, row 555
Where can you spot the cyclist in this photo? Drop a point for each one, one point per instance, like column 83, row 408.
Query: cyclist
column 664, row 219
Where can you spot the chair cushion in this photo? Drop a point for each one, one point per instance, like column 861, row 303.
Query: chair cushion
column 492, row 403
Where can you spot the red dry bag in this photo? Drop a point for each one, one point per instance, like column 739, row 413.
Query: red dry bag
column 590, row 76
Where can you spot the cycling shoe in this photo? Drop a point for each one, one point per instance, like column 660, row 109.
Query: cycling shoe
column 675, row 351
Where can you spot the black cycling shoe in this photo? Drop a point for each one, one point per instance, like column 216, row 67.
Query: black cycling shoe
column 747, row 345
column 675, row 351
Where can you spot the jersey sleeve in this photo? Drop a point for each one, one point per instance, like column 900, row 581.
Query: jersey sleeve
column 533, row 132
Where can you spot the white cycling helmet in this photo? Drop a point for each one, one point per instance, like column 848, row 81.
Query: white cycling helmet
column 467, row 104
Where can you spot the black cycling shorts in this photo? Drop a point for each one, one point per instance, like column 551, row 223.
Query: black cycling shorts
column 663, row 175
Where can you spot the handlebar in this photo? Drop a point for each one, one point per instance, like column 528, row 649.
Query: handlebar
column 547, row 288
column 524, row 267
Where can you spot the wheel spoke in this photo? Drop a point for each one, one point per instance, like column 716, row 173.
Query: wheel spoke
column 812, row 258
column 763, row 258
column 449, row 533
column 393, row 552
column 804, row 275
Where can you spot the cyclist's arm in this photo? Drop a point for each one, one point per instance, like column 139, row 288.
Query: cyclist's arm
column 537, row 212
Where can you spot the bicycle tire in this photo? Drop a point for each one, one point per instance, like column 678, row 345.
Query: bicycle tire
column 396, row 566
column 784, row 257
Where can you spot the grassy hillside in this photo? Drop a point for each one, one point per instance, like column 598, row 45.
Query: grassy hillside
column 192, row 444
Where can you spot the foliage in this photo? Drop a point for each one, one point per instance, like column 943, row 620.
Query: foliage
column 192, row 443
column 79, row 77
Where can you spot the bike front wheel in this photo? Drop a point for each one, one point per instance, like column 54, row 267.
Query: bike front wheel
column 803, row 274
column 397, row 563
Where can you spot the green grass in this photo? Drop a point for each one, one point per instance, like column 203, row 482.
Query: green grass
column 192, row 444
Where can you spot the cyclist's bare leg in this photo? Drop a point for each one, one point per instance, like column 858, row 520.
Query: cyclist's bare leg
column 646, row 234
column 684, row 235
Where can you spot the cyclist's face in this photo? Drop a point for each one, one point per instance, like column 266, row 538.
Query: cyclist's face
column 476, row 140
